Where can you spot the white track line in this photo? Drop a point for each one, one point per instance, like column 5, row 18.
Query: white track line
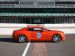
column 25, row 51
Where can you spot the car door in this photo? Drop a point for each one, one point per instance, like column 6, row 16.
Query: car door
column 33, row 34
column 45, row 35
column 36, row 34
column 39, row 34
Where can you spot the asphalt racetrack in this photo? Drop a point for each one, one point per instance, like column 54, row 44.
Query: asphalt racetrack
column 10, row 48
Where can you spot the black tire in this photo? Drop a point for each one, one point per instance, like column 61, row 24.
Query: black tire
column 22, row 39
column 56, row 38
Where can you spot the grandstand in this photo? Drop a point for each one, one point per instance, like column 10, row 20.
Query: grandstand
column 37, row 11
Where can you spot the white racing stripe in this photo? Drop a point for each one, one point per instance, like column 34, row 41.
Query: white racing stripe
column 25, row 51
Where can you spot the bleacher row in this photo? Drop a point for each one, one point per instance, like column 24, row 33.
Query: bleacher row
column 37, row 4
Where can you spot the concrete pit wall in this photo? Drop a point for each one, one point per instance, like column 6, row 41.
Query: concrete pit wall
column 7, row 29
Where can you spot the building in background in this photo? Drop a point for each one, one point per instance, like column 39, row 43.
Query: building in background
column 37, row 11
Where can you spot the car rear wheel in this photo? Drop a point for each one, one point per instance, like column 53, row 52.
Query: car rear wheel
column 56, row 38
column 22, row 39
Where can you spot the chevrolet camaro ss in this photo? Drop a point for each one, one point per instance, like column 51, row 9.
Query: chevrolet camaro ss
column 37, row 34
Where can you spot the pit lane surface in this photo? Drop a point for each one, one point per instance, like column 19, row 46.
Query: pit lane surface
column 65, row 48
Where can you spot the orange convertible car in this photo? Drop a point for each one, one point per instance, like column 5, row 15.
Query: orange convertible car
column 37, row 34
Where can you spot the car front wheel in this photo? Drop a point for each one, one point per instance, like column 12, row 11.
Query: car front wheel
column 56, row 38
column 22, row 39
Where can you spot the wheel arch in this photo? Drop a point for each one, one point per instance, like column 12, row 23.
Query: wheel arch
column 56, row 34
column 23, row 35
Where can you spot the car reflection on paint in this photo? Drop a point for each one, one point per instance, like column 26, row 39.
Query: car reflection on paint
column 37, row 34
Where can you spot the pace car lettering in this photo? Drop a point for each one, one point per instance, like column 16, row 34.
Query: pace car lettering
column 39, row 35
